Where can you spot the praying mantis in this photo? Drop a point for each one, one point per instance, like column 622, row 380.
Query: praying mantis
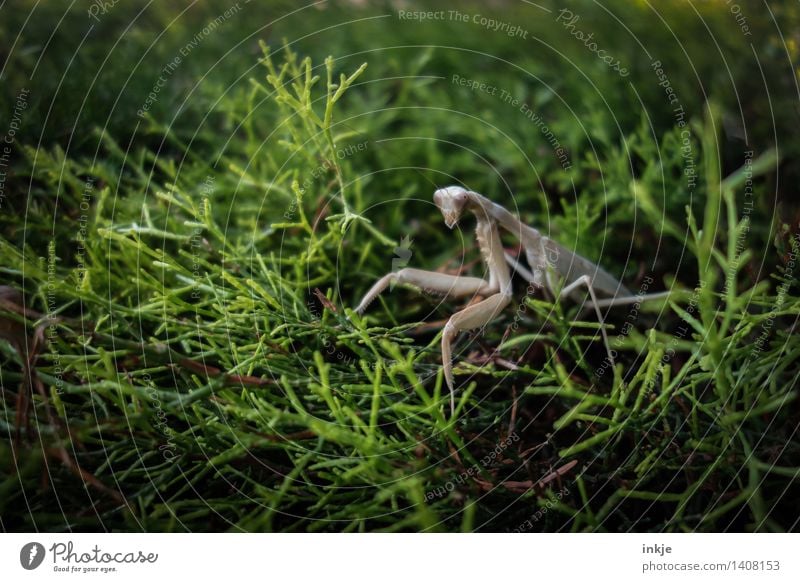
column 558, row 271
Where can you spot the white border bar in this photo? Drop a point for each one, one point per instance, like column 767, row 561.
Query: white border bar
column 404, row 557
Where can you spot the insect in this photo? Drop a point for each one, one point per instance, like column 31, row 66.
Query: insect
column 556, row 270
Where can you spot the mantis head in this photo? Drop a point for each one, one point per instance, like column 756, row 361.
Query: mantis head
column 451, row 201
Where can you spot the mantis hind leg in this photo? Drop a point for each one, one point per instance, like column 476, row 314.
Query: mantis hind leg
column 587, row 281
column 549, row 284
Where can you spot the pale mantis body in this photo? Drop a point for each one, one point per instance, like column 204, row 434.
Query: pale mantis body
column 552, row 267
